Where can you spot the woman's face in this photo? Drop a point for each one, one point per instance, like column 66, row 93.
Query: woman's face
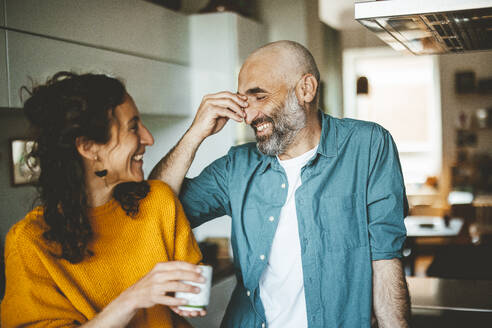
column 122, row 156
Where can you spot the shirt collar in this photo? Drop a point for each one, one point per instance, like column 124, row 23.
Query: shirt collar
column 327, row 143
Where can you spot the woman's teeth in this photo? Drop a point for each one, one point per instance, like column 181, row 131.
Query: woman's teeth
column 138, row 157
column 262, row 127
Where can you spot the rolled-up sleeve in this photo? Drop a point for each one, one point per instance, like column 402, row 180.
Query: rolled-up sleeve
column 386, row 198
column 206, row 196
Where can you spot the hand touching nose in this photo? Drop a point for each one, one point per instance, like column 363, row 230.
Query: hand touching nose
column 215, row 110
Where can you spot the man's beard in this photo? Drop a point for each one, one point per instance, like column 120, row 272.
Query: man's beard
column 286, row 122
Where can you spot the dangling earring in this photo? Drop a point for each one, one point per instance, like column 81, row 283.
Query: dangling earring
column 102, row 173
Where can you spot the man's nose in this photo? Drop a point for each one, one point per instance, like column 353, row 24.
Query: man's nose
column 251, row 114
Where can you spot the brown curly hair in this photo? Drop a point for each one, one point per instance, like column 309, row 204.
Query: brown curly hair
column 68, row 106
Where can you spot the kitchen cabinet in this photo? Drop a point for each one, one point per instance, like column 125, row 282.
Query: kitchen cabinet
column 220, row 42
column 135, row 27
column 4, row 89
column 157, row 87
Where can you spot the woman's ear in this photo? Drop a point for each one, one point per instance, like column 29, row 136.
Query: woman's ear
column 86, row 148
column 306, row 89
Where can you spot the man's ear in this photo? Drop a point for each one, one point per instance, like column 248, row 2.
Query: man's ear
column 306, row 89
column 86, row 148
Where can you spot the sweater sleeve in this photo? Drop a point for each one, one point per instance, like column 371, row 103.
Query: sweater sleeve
column 32, row 298
column 178, row 236
column 186, row 248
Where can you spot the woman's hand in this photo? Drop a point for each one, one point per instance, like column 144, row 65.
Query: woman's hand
column 156, row 287
column 160, row 284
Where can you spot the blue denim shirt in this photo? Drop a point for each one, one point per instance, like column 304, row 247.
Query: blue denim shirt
column 350, row 210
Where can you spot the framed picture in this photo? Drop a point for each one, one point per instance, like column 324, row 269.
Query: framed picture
column 22, row 170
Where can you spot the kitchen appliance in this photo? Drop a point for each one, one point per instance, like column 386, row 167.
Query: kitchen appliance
column 429, row 26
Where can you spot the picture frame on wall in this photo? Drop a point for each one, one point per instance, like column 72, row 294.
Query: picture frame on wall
column 23, row 171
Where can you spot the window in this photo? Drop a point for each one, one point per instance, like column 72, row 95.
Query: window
column 403, row 97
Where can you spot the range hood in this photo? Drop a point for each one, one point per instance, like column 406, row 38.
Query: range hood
column 429, row 26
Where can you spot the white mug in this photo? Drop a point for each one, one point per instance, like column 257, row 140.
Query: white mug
column 197, row 302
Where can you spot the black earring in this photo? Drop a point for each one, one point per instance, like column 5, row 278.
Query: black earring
column 101, row 173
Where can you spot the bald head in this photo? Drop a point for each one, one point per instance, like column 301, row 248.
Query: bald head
column 287, row 59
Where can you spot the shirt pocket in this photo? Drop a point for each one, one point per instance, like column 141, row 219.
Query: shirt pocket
column 341, row 221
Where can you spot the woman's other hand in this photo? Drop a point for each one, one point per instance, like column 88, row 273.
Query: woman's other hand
column 156, row 287
column 160, row 284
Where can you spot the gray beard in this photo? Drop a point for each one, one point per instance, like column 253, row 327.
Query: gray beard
column 286, row 122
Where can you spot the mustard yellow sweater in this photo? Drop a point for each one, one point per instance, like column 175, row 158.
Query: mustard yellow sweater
column 43, row 291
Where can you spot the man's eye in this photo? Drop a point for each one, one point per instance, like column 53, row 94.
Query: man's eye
column 260, row 97
column 134, row 128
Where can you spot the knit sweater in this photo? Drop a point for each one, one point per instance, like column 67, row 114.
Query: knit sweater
column 45, row 291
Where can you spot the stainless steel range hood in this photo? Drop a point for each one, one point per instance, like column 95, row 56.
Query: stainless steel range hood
column 429, row 26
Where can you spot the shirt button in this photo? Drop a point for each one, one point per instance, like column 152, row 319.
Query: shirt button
column 248, row 293
column 263, row 325
column 262, row 257
column 271, row 218
column 283, row 186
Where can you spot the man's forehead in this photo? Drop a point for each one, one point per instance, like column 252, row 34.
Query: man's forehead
column 257, row 77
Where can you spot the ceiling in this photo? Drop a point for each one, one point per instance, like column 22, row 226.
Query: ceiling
column 338, row 14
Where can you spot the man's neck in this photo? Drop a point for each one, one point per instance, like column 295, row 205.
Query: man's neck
column 307, row 138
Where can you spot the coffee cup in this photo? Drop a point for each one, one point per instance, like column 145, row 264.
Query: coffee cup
column 197, row 302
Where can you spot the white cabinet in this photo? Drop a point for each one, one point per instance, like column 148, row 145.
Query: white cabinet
column 220, row 42
column 130, row 26
column 4, row 89
column 157, row 87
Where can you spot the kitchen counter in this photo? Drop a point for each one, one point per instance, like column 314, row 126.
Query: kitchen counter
column 450, row 303
column 451, row 294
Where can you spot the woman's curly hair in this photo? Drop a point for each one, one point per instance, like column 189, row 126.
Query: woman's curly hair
column 69, row 106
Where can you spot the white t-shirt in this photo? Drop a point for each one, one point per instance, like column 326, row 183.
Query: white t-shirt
column 282, row 284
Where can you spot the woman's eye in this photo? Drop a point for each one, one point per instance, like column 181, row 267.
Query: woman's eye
column 134, row 128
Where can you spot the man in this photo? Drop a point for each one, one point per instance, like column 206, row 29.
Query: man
column 317, row 204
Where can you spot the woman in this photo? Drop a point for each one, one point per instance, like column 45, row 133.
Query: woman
column 105, row 249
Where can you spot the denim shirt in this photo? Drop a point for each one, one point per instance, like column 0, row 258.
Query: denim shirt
column 350, row 210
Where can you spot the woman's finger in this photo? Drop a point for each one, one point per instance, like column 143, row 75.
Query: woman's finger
column 169, row 300
column 162, row 277
column 178, row 286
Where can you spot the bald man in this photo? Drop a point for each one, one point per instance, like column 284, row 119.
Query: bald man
column 317, row 203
